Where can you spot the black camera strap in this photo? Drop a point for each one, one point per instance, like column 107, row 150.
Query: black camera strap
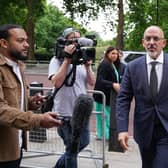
column 73, row 70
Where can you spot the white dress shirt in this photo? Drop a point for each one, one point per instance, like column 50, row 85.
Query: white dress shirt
column 158, row 66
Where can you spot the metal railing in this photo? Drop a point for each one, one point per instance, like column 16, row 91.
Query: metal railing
column 46, row 142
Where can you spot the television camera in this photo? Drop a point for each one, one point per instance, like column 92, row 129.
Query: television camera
column 85, row 49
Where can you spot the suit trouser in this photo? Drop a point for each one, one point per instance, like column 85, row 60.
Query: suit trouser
column 155, row 156
column 11, row 164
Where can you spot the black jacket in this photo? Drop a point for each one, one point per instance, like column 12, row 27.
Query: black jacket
column 105, row 78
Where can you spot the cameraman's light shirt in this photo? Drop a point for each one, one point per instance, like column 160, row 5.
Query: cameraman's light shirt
column 65, row 98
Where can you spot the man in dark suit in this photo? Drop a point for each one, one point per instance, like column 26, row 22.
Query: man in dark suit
column 146, row 79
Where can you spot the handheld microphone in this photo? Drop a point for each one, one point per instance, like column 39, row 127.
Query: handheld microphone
column 80, row 117
column 82, row 111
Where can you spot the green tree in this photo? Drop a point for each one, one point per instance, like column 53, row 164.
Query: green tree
column 24, row 12
column 136, row 22
column 35, row 9
column 49, row 27
column 120, row 27
column 90, row 9
column 12, row 11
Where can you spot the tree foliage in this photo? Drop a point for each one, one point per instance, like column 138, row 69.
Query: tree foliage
column 12, row 11
column 42, row 22
column 142, row 14
column 87, row 9
column 47, row 22
column 25, row 13
column 35, row 9
column 49, row 27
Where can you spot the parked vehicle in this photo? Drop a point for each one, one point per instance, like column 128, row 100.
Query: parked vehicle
column 131, row 55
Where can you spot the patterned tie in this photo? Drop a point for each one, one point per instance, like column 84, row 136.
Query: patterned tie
column 153, row 81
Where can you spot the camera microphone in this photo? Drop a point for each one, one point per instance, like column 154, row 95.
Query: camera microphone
column 82, row 41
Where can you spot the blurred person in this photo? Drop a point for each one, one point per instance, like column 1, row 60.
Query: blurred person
column 113, row 140
column 122, row 65
column 66, row 96
column 108, row 79
column 15, row 118
column 145, row 79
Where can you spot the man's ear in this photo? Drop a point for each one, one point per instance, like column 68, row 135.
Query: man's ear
column 142, row 42
column 164, row 42
column 3, row 43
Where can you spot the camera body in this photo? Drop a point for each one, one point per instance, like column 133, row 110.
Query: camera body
column 85, row 49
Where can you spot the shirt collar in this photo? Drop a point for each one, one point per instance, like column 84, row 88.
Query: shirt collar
column 159, row 58
column 11, row 63
column 3, row 61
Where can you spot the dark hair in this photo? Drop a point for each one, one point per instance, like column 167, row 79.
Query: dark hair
column 108, row 50
column 4, row 30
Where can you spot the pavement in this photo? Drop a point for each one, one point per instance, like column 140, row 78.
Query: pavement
column 129, row 159
column 40, row 156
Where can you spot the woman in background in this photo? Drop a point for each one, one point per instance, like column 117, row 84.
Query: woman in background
column 108, row 79
column 113, row 136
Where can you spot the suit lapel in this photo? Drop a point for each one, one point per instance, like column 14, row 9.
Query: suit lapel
column 164, row 82
column 144, row 74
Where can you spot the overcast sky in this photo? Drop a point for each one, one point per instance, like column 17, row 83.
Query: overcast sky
column 93, row 25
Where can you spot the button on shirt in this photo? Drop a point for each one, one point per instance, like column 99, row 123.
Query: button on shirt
column 17, row 72
column 158, row 67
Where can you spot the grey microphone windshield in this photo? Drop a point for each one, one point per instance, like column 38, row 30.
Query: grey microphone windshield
column 81, row 113
column 82, row 41
column 80, row 118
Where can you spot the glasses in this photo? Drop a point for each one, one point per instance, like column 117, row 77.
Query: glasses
column 155, row 38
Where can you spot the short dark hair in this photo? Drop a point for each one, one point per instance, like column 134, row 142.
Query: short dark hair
column 4, row 30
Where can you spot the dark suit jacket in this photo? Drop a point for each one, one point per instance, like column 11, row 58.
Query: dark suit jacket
column 105, row 77
column 135, row 84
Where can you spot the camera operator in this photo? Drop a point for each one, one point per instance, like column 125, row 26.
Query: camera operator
column 65, row 97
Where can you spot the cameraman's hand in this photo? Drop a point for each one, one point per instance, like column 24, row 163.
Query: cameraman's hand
column 90, row 74
column 70, row 49
column 88, row 63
